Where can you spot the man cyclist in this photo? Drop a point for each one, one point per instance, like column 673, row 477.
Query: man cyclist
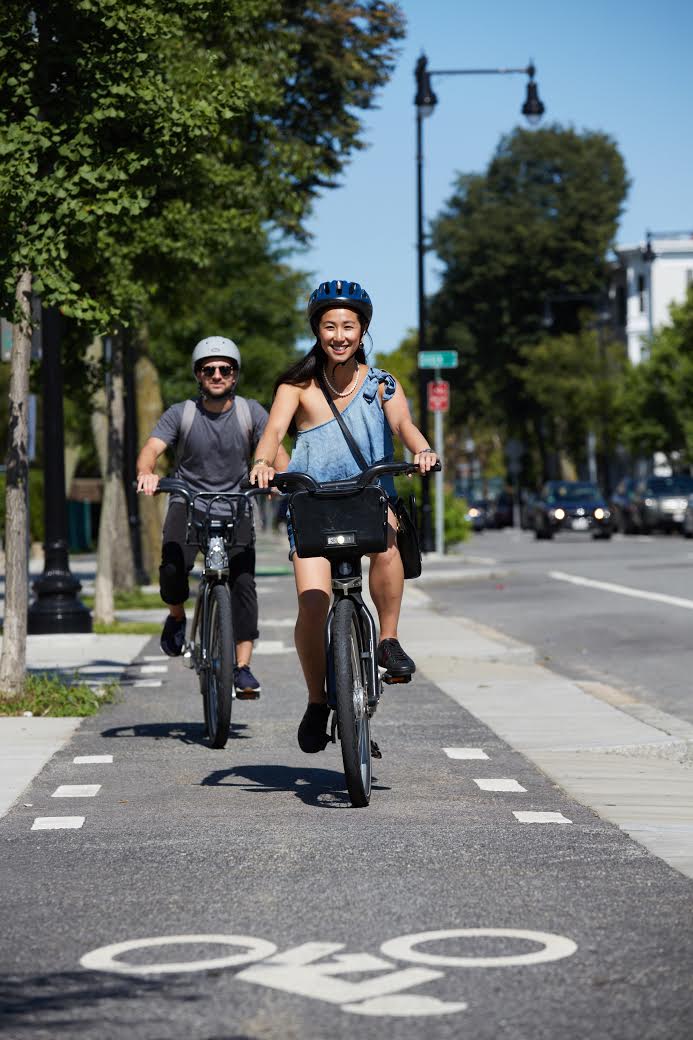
column 214, row 438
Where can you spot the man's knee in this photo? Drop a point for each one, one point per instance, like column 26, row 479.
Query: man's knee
column 173, row 574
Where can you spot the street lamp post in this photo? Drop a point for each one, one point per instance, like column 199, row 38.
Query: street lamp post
column 425, row 101
column 57, row 607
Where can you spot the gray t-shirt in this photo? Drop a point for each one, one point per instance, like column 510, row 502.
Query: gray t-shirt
column 216, row 450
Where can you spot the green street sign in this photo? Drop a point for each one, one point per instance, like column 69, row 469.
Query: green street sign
column 437, row 359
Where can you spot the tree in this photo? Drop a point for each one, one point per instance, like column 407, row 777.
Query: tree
column 655, row 403
column 538, row 223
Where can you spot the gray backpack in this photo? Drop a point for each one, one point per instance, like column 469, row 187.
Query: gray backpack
column 189, row 410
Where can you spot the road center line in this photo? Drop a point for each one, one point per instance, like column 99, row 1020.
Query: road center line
column 622, row 590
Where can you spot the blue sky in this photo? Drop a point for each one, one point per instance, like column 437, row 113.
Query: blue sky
column 624, row 67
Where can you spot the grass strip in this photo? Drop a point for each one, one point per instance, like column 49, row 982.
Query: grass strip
column 128, row 628
column 48, row 694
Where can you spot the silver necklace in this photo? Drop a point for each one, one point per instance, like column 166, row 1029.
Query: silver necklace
column 347, row 392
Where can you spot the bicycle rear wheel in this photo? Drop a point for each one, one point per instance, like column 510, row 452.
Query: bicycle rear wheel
column 351, row 695
column 218, row 688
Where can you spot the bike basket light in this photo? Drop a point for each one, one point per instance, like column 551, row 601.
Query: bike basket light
column 216, row 558
column 341, row 539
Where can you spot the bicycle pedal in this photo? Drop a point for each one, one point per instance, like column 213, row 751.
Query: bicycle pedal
column 391, row 679
column 247, row 695
column 375, row 750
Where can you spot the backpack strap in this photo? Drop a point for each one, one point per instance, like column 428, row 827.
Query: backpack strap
column 189, row 411
column 245, row 421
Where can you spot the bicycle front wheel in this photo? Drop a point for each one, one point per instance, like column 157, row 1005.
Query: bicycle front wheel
column 351, row 694
column 218, row 689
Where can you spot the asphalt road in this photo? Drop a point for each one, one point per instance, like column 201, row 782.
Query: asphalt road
column 632, row 637
column 252, row 857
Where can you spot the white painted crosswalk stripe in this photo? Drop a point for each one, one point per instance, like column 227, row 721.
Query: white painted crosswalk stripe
column 147, row 682
column 499, row 784
column 85, row 760
column 153, row 669
column 540, row 817
column 76, row 791
column 55, row 823
column 465, row 752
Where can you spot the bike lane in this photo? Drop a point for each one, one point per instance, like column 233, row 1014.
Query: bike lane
column 255, row 902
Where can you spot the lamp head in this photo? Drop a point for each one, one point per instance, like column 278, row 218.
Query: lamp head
column 533, row 108
column 425, row 99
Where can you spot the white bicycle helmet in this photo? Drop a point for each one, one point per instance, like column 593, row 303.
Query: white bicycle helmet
column 215, row 346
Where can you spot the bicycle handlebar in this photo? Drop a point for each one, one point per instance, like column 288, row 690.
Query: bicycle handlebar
column 171, row 484
column 293, row 481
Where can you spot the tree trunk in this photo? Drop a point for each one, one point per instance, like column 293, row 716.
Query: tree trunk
column 13, row 659
column 152, row 508
column 114, row 565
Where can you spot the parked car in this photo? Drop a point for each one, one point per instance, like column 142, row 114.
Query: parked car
column 477, row 514
column 659, row 503
column 528, row 499
column 622, row 505
column 501, row 512
column 567, row 505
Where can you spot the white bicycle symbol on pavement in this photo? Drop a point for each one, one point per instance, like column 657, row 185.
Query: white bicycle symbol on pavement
column 316, row 969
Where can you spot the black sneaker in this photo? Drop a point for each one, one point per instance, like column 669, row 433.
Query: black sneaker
column 247, row 686
column 173, row 636
column 393, row 659
column 312, row 732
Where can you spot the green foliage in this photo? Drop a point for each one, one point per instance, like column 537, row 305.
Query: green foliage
column 54, row 695
column 140, row 141
column 655, row 403
column 539, row 222
column 36, row 506
column 402, row 364
column 456, row 527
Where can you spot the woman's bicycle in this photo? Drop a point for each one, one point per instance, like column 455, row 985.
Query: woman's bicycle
column 211, row 647
column 343, row 521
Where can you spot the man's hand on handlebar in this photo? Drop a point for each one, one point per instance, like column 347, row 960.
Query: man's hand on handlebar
column 148, row 483
column 262, row 474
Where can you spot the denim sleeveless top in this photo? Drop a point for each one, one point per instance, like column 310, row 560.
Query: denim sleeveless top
column 323, row 452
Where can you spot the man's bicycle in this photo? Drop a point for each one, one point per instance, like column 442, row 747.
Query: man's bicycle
column 211, row 646
column 343, row 521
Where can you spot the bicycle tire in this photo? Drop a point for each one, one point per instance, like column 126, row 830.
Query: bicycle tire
column 218, row 686
column 353, row 722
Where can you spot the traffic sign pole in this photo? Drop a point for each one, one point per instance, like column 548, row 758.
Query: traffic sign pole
column 440, row 491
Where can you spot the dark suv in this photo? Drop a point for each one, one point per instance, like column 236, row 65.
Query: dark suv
column 571, row 505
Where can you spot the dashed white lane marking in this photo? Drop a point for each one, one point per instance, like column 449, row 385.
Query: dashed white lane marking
column 153, row 669
column 155, row 657
column 272, row 646
column 285, row 622
column 86, row 760
column 102, row 669
column 540, row 817
column 623, row 590
column 465, row 752
column 499, row 784
column 147, row 682
column 57, row 823
column 76, row 791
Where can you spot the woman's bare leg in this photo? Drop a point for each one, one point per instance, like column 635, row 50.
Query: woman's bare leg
column 313, row 587
column 386, row 583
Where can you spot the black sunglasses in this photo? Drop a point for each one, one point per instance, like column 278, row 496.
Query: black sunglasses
column 224, row 370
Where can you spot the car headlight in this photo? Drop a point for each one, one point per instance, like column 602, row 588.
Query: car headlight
column 559, row 513
column 650, row 502
column 599, row 513
column 473, row 512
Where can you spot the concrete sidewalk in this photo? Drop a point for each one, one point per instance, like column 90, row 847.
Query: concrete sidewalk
column 627, row 761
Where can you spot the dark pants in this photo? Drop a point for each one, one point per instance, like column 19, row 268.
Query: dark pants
column 177, row 559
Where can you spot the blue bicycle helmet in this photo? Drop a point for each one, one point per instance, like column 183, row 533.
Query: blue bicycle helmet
column 339, row 292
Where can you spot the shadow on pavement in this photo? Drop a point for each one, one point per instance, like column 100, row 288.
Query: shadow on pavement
column 324, row 788
column 185, row 732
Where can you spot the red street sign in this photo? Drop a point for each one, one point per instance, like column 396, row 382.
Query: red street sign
column 438, row 396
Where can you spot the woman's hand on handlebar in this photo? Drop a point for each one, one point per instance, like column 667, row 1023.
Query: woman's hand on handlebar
column 148, row 483
column 425, row 460
column 262, row 474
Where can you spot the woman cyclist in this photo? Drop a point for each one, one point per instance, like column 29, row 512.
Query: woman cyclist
column 374, row 408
